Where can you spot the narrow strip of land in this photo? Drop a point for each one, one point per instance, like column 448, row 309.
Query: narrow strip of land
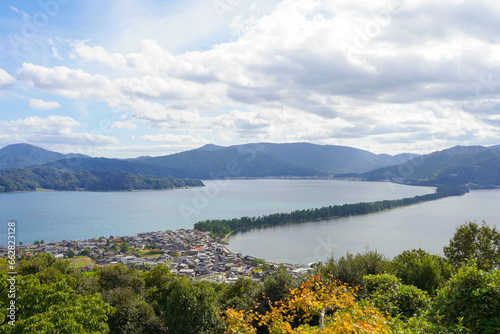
column 225, row 226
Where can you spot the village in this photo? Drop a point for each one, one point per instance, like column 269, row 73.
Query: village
column 187, row 252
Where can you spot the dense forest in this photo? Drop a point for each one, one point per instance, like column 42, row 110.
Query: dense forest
column 415, row 292
column 42, row 177
column 474, row 165
column 224, row 226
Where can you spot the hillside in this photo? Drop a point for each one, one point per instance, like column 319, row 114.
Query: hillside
column 248, row 160
column 25, row 155
column 212, row 161
column 30, row 179
column 325, row 158
column 199, row 163
column 475, row 165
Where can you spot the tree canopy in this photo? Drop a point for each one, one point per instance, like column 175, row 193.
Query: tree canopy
column 472, row 241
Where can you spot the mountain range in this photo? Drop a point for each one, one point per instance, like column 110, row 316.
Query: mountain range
column 26, row 155
column 211, row 161
column 476, row 165
column 329, row 159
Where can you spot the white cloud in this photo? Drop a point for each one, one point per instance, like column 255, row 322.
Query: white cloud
column 124, row 125
column 97, row 53
column 14, row 9
column 176, row 139
column 67, row 82
column 44, row 105
column 5, row 79
column 55, row 53
column 364, row 74
column 49, row 125
column 53, row 130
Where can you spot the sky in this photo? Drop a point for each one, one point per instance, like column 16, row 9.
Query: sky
column 132, row 78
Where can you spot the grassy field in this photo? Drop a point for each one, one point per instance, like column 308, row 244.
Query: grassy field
column 81, row 261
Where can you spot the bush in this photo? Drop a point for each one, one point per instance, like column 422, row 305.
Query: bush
column 389, row 295
column 423, row 270
column 352, row 268
column 472, row 298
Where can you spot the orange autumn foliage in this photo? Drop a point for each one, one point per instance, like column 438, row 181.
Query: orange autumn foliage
column 311, row 299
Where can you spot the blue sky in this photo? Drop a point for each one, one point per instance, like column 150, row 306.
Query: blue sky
column 129, row 78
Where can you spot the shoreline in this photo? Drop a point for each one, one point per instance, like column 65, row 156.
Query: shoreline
column 99, row 191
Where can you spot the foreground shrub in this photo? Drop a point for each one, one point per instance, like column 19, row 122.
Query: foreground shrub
column 389, row 295
column 471, row 298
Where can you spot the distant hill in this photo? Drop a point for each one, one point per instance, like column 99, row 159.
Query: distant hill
column 212, row 161
column 198, row 163
column 475, row 165
column 33, row 178
column 25, row 155
column 248, row 160
column 328, row 158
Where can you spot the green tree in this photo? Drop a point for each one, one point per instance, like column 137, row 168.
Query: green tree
column 191, row 307
column 397, row 299
column 258, row 262
column 241, row 294
column 158, row 283
column 471, row 298
column 120, row 276
column 474, row 242
column 52, row 308
column 278, row 284
column 85, row 252
column 133, row 314
column 421, row 269
column 71, row 253
column 352, row 268
column 49, row 269
column 38, row 263
column 124, row 247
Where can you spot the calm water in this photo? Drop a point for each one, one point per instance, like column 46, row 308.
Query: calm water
column 56, row 216
column 427, row 225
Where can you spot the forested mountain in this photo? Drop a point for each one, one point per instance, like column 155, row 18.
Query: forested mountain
column 249, row 160
column 475, row 165
column 327, row 158
column 30, row 179
column 458, row 165
column 199, row 163
column 25, row 155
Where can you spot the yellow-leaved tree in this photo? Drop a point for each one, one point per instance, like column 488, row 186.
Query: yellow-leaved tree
column 312, row 299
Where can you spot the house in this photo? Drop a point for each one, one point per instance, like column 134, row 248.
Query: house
column 128, row 259
column 186, row 273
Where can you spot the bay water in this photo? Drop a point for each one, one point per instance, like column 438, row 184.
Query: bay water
column 55, row 216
